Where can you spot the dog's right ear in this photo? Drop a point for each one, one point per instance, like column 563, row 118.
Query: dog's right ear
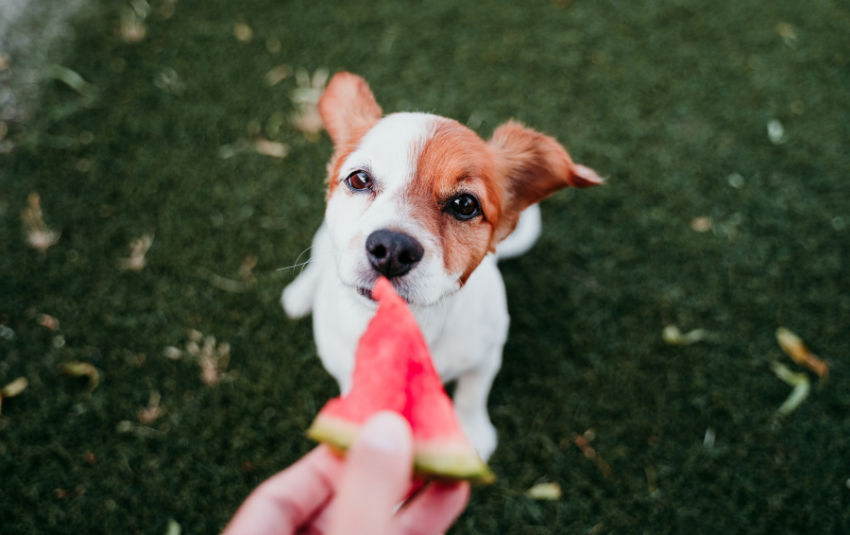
column 348, row 108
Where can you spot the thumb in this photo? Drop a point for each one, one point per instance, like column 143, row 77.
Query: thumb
column 375, row 479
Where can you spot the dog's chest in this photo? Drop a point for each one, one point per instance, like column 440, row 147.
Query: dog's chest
column 462, row 330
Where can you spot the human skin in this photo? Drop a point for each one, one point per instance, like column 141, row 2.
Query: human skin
column 357, row 495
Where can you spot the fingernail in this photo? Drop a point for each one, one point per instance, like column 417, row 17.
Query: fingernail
column 384, row 433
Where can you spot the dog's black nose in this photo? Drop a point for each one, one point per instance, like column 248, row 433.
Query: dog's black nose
column 392, row 253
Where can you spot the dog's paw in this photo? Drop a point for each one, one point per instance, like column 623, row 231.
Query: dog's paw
column 481, row 433
column 297, row 300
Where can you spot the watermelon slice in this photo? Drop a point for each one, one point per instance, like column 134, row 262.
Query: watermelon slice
column 393, row 371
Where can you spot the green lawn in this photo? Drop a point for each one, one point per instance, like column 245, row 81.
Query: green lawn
column 668, row 100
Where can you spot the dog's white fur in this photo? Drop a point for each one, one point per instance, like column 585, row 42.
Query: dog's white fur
column 465, row 324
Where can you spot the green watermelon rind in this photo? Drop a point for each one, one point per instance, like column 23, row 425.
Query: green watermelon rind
column 440, row 461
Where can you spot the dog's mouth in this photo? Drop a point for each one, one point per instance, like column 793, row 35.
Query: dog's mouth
column 367, row 293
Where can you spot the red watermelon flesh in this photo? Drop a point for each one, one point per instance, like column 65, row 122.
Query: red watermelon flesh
column 393, row 371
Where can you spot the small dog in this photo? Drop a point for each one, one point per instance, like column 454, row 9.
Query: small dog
column 423, row 201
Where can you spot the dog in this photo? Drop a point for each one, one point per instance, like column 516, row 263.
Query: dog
column 422, row 200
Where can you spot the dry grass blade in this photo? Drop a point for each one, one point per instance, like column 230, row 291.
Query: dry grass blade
column 801, row 386
column 793, row 346
column 673, row 336
column 38, row 235
column 222, row 283
column 153, row 410
column 72, row 79
column 591, row 454
column 82, row 369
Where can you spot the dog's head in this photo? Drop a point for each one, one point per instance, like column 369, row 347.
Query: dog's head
column 421, row 199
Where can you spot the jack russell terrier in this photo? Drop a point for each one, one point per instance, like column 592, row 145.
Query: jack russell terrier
column 425, row 202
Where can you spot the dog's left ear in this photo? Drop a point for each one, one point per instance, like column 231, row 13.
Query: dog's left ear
column 348, row 108
column 532, row 166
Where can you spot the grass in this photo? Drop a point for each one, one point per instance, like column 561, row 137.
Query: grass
column 665, row 98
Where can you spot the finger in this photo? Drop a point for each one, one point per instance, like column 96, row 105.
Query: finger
column 433, row 511
column 376, row 477
column 289, row 499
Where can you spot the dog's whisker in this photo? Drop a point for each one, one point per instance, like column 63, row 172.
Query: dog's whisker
column 296, row 264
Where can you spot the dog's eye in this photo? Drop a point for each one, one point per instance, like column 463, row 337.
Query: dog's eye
column 464, row 206
column 359, row 180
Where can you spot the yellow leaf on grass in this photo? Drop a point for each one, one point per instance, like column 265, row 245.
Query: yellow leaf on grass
column 14, row 388
column 545, row 491
column 793, row 346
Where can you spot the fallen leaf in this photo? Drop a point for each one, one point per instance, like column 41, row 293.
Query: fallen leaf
column 138, row 249
column 4, row 61
column 213, row 361
column 246, row 269
column 309, row 121
column 701, row 224
column 273, row 45
column 775, row 132
column 271, row 148
column 13, row 389
column 243, row 32
column 168, row 80
column 545, row 491
column 195, row 335
column 153, row 411
column 81, row 369
column 133, row 28
column 651, row 479
column 787, row 33
column 673, row 336
column 166, row 10
column 801, row 385
column 173, row 527
column 38, row 235
column 736, row 180
column 306, row 98
column 278, row 74
column 48, row 322
column 793, row 346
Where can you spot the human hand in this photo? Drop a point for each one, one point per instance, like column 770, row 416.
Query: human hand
column 324, row 494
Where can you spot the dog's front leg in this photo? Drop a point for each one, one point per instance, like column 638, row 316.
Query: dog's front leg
column 470, row 400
